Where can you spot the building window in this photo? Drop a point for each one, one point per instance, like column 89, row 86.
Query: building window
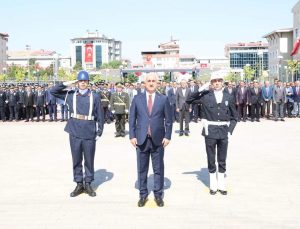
column 98, row 56
column 79, row 54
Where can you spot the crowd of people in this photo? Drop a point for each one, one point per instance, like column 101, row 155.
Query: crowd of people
column 254, row 101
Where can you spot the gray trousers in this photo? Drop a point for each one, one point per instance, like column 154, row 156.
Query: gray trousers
column 279, row 106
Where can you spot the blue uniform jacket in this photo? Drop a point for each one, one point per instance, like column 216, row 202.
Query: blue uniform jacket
column 160, row 120
column 83, row 129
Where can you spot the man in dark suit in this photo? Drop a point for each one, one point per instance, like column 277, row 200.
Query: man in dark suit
column 40, row 103
column 267, row 94
column 20, row 105
column 28, row 103
column 150, row 130
column 51, row 102
column 142, row 88
column 296, row 98
column 12, row 99
column 195, row 108
column 183, row 108
column 255, row 101
column 230, row 90
column 172, row 99
column 242, row 101
column 2, row 104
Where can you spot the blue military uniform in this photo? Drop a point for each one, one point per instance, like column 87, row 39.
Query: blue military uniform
column 84, row 125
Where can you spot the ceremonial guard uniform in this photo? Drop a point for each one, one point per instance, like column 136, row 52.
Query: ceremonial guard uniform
column 12, row 100
column 119, row 102
column 219, row 118
column 84, row 126
column 105, row 99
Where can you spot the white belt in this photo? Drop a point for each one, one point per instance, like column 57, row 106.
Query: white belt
column 206, row 123
column 82, row 117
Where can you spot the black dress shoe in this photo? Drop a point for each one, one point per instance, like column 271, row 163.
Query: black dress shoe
column 118, row 135
column 159, row 201
column 257, row 120
column 27, row 121
column 78, row 190
column 123, row 135
column 224, row 193
column 142, row 201
column 282, row 120
column 186, row 134
column 180, row 134
column 212, row 192
column 88, row 190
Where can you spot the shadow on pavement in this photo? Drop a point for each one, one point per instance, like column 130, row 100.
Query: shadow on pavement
column 201, row 175
column 100, row 177
column 167, row 183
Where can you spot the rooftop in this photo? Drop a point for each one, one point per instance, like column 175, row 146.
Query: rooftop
column 31, row 53
column 288, row 30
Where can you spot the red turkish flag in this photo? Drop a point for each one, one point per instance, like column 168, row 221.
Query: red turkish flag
column 296, row 47
column 89, row 53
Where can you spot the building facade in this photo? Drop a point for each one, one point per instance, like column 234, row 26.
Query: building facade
column 41, row 57
column 93, row 50
column 254, row 54
column 280, row 48
column 3, row 52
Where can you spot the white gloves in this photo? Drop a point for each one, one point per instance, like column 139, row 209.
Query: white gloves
column 97, row 138
column 204, row 87
column 126, row 111
column 113, row 112
column 69, row 83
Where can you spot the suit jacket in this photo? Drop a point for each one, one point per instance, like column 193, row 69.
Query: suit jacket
column 181, row 99
column 267, row 94
column 232, row 92
column 13, row 98
column 296, row 96
column 139, row 91
column 160, row 119
column 279, row 94
column 50, row 99
column 242, row 97
column 172, row 96
column 195, row 89
column 2, row 98
column 28, row 99
column 21, row 96
column 40, row 100
column 254, row 98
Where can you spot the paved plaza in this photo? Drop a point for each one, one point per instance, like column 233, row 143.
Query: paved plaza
column 263, row 180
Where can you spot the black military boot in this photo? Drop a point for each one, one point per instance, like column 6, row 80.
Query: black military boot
column 89, row 190
column 78, row 190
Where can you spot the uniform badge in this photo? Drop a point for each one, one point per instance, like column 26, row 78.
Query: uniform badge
column 226, row 103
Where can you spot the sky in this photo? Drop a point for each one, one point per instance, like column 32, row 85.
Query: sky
column 202, row 27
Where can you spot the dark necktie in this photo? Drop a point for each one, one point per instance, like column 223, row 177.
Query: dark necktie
column 149, row 110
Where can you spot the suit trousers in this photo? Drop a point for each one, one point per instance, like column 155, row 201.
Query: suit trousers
column 40, row 110
column 266, row 106
column 29, row 112
column 296, row 110
column 64, row 112
column 21, row 111
column 106, row 114
column 242, row 110
column 52, row 111
column 184, row 115
column 255, row 111
column 2, row 113
column 13, row 112
column 279, row 110
column 144, row 152
column 82, row 148
column 221, row 145
column 195, row 112
column 120, row 123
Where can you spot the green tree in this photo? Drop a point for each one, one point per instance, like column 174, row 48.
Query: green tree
column 131, row 78
column 77, row 66
column 293, row 66
column 115, row 64
column 249, row 73
column 231, row 77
